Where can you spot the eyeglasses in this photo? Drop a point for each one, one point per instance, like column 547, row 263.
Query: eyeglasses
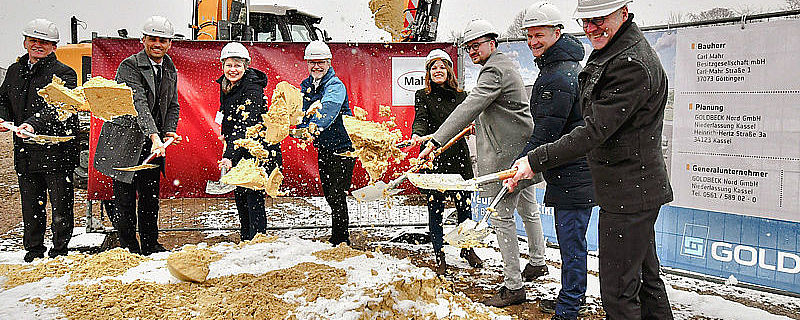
column 597, row 21
column 474, row 46
column 317, row 63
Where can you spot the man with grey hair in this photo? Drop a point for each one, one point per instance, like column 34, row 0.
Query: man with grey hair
column 623, row 96
column 41, row 169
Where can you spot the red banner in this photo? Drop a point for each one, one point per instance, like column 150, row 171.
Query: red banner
column 365, row 69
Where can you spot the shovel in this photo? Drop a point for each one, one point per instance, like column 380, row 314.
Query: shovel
column 217, row 187
column 446, row 181
column 381, row 189
column 403, row 144
column 145, row 164
column 38, row 138
column 469, row 234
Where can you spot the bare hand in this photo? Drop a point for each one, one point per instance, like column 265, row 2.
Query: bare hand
column 174, row 135
column 158, row 147
column 415, row 140
column 428, row 151
column 524, row 171
column 225, row 163
column 3, row 129
column 25, row 127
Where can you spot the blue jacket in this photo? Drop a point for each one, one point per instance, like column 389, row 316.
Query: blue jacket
column 556, row 111
column 331, row 91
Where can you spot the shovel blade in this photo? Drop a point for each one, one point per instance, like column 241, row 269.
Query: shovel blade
column 216, row 187
column 374, row 192
column 139, row 167
column 466, row 235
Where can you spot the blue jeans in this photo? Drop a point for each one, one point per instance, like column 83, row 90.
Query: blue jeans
column 436, row 208
column 571, row 225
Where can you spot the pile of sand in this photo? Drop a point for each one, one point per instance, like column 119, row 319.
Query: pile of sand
column 109, row 263
column 339, row 253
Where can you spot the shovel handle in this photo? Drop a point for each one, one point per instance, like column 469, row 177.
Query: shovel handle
column 16, row 128
column 152, row 155
column 439, row 151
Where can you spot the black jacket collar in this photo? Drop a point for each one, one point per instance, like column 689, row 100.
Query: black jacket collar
column 627, row 36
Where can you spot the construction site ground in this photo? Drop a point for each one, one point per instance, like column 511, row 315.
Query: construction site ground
column 477, row 284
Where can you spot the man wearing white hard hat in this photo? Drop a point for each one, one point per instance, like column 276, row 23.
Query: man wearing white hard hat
column 41, row 169
column 329, row 136
column 499, row 105
column 623, row 96
column 432, row 105
column 127, row 140
column 556, row 111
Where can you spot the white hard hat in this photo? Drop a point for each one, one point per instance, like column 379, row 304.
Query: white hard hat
column 438, row 54
column 158, row 26
column 234, row 49
column 479, row 28
column 542, row 14
column 317, row 50
column 598, row 8
column 41, row 29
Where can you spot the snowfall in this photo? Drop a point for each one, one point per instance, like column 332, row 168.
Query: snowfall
column 296, row 246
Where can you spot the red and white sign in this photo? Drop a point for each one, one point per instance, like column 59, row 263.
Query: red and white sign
column 365, row 69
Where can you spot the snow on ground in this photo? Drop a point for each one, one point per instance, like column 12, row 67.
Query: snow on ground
column 691, row 298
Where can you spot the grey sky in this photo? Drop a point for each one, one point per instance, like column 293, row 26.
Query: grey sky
column 345, row 20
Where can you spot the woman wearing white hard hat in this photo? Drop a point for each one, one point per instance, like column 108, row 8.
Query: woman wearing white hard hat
column 433, row 104
column 242, row 103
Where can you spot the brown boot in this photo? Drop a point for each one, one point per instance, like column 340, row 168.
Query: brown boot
column 441, row 265
column 505, row 297
column 472, row 258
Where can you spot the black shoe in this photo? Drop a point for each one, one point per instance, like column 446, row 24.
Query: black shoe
column 148, row 250
column 534, row 272
column 30, row 255
column 55, row 253
column 472, row 258
column 336, row 242
column 506, row 297
column 547, row 306
column 441, row 265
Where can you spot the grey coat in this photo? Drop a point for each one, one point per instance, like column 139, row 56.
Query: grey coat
column 499, row 103
column 122, row 139
column 623, row 94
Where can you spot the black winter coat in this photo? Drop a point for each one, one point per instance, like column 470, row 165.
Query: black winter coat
column 556, row 111
column 623, row 96
column 431, row 109
column 20, row 103
column 234, row 106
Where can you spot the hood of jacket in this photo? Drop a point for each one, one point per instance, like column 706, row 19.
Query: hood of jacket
column 566, row 48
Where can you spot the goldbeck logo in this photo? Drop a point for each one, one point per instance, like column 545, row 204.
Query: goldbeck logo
column 695, row 241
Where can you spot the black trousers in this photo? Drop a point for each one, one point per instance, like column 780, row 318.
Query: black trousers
column 252, row 214
column 34, row 188
column 336, row 175
column 146, row 185
column 630, row 285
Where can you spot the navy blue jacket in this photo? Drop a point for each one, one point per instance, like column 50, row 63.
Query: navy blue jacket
column 234, row 105
column 556, row 111
column 333, row 95
column 20, row 103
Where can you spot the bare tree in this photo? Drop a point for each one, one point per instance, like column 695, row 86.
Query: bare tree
column 514, row 30
column 676, row 17
column 792, row 4
column 712, row 14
